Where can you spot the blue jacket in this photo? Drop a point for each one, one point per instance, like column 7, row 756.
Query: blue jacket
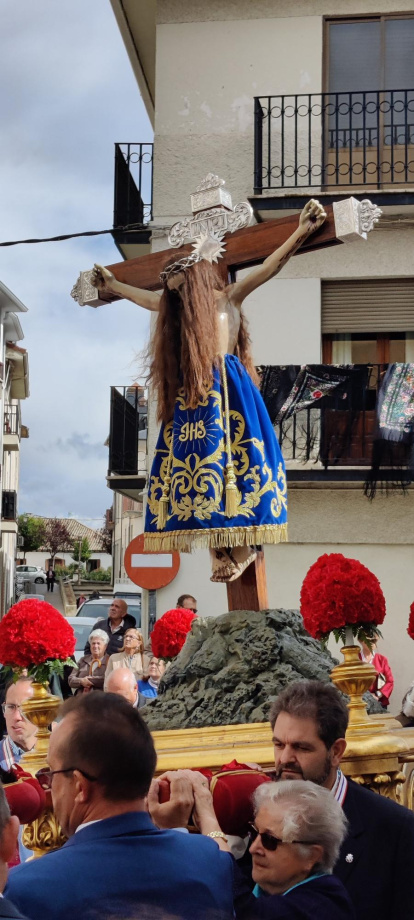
column 322, row 898
column 111, row 868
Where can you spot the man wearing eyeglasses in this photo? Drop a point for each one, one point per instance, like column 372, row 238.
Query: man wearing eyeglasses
column 116, row 862
column 21, row 734
column 188, row 602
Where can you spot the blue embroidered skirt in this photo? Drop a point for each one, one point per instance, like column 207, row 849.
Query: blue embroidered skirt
column 189, row 471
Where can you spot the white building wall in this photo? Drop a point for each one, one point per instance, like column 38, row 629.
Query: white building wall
column 207, row 76
column 41, row 558
column 212, row 59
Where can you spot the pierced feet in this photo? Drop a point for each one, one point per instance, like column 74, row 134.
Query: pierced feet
column 229, row 564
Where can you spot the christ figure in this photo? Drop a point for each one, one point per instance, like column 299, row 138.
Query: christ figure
column 217, row 479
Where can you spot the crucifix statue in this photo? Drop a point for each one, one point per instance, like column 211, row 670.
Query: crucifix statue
column 218, row 478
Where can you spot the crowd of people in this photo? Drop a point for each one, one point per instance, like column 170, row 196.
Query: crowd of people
column 318, row 844
column 115, row 657
column 312, row 851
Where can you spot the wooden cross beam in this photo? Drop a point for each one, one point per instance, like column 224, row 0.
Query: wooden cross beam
column 243, row 248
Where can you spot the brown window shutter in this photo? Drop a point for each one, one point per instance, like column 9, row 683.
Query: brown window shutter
column 378, row 305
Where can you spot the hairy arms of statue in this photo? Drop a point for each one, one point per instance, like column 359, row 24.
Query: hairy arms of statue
column 103, row 279
column 311, row 218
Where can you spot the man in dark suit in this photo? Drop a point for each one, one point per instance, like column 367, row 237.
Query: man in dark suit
column 309, row 721
column 116, row 863
column 9, row 829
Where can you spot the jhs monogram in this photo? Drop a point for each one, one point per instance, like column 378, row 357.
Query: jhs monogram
column 192, row 431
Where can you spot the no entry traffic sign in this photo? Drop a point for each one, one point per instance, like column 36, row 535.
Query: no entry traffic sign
column 150, row 570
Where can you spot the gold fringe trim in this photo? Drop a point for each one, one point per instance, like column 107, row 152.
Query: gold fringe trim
column 215, row 538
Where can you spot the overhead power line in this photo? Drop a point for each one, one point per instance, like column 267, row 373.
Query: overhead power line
column 129, row 228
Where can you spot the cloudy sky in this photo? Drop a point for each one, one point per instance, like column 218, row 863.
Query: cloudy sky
column 67, row 95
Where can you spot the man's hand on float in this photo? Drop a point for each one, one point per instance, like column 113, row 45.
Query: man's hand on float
column 176, row 812
column 312, row 216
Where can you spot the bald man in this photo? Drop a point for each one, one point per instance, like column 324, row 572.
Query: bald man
column 123, row 683
column 119, row 620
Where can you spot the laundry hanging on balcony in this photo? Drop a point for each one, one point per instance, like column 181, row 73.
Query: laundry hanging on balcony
column 393, row 448
column 316, row 408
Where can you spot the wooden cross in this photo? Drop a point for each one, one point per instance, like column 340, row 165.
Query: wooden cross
column 244, row 248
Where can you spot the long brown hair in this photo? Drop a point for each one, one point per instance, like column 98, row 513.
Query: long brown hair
column 184, row 346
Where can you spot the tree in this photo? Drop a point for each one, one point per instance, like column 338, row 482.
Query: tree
column 57, row 538
column 32, row 529
column 105, row 533
column 85, row 552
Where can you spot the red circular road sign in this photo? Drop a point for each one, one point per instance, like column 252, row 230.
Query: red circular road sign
column 150, row 570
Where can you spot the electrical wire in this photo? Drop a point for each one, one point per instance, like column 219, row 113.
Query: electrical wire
column 129, row 228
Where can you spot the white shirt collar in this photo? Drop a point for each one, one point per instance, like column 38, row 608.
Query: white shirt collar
column 340, row 787
column 87, row 824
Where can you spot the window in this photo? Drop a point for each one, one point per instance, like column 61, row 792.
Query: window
column 366, row 348
column 370, row 110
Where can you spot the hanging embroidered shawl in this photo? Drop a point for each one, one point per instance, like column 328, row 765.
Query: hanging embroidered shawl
column 392, row 454
column 287, row 389
column 189, row 471
column 396, row 403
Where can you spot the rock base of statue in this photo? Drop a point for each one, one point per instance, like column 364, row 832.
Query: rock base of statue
column 232, row 667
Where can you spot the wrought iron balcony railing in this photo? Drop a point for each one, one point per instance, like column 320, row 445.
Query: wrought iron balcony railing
column 128, row 432
column 337, row 437
column 133, row 184
column 11, row 420
column 325, row 140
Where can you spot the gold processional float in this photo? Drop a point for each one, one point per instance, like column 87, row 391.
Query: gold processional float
column 379, row 754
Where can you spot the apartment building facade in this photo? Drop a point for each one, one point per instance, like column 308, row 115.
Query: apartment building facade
column 14, row 387
column 288, row 101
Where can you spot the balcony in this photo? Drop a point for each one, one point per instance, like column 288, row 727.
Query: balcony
column 127, row 468
column 11, row 428
column 334, row 144
column 133, row 190
column 8, row 522
column 335, row 439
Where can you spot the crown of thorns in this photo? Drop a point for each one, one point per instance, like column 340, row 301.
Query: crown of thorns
column 180, row 266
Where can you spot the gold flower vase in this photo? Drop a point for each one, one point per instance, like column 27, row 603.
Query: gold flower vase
column 354, row 677
column 41, row 710
column 377, row 746
column 43, row 834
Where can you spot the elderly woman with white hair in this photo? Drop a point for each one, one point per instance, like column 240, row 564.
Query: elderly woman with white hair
column 89, row 673
column 294, row 844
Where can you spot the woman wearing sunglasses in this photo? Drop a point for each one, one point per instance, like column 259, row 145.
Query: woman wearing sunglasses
column 294, row 844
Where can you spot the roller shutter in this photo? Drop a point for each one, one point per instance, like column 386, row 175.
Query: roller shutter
column 380, row 305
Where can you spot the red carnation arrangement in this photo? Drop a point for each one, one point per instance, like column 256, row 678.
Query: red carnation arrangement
column 170, row 632
column 410, row 629
column 339, row 594
column 35, row 637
